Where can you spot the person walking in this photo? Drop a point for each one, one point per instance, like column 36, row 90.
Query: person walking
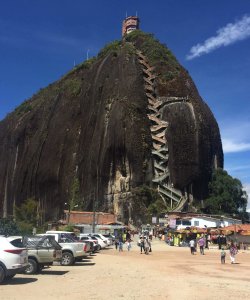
column 146, row 246
column 223, row 255
column 233, row 251
column 120, row 243
column 128, row 244
column 116, row 243
column 208, row 241
column 201, row 243
column 192, row 246
column 141, row 242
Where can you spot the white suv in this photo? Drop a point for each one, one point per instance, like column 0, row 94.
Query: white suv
column 13, row 259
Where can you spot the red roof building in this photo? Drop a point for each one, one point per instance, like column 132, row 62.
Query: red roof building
column 86, row 217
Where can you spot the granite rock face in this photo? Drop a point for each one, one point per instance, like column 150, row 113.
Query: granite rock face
column 92, row 125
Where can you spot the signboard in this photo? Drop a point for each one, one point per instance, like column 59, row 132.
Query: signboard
column 154, row 220
column 172, row 223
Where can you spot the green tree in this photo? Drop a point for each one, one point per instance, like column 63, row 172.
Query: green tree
column 8, row 227
column 75, row 201
column 158, row 207
column 226, row 195
column 27, row 215
column 145, row 202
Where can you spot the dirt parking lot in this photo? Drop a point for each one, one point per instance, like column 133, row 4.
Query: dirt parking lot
column 167, row 273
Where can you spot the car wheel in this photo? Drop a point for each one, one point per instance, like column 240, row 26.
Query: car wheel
column 2, row 274
column 32, row 267
column 40, row 267
column 99, row 248
column 67, row 259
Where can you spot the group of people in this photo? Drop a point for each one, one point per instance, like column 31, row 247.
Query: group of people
column 233, row 250
column 122, row 239
column 201, row 242
column 145, row 244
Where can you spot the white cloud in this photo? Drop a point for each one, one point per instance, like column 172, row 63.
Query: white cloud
column 235, row 135
column 230, row 146
column 230, row 34
column 239, row 168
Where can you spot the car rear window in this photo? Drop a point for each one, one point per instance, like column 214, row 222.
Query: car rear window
column 17, row 243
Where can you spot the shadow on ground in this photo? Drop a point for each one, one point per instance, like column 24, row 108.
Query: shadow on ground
column 52, row 272
column 19, row 280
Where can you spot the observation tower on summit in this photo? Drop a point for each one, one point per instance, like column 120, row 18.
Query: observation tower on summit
column 130, row 24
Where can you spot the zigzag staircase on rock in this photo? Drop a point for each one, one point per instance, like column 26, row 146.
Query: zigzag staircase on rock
column 173, row 197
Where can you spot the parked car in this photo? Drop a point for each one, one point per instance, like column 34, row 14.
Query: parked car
column 110, row 237
column 93, row 242
column 42, row 251
column 13, row 259
column 101, row 242
column 72, row 249
column 100, row 236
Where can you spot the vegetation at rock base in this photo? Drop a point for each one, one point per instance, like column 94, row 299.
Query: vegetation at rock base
column 69, row 227
column 75, row 201
column 145, row 201
column 28, row 216
column 226, row 196
column 8, row 227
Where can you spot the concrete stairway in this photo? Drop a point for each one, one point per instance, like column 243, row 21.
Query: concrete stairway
column 173, row 197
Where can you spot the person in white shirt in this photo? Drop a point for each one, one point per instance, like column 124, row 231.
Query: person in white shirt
column 192, row 246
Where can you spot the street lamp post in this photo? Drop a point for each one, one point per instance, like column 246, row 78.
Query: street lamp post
column 171, row 189
column 68, row 214
column 69, row 210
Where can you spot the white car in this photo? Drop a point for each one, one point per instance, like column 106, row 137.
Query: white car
column 100, row 236
column 93, row 240
column 13, row 259
column 102, row 243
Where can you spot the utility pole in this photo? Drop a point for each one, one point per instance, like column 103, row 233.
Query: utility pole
column 93, row 221
column 68, row 215
column 95, row 200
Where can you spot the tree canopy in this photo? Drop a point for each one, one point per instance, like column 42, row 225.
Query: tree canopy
column 27, row 215
column 8, row 227
column 226, row 195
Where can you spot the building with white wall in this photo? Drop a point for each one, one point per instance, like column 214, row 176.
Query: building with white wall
column 184, row 220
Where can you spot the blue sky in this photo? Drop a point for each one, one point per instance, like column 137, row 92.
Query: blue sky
column 42, row 40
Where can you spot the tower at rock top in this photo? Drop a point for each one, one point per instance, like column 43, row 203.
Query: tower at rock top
column 130, row 24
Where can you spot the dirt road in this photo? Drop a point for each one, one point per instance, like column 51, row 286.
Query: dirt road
column 167, row 273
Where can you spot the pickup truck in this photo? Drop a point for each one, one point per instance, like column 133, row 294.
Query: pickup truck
column 42, row 251
column 72, row 250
